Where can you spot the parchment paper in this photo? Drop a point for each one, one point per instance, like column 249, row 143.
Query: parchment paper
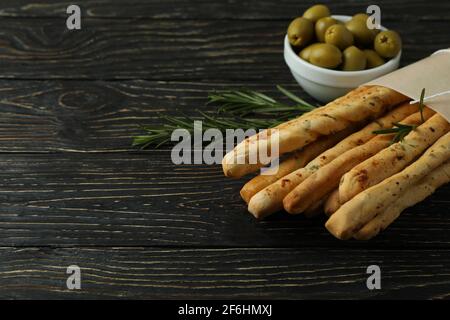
column 431, row 73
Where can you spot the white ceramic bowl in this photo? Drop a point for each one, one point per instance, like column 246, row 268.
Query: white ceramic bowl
column 326, row 84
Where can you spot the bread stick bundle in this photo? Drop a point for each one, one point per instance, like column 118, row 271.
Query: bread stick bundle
column 357, row 106
column 326, row 179
column 365, row 206
column 392, row 159
column 411, row 196
column 270, row 199
column 300, row 158
column 316, row 209
column 296, row 160
column 332, row 203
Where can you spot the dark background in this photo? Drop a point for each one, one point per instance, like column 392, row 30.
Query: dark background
column 73, row 191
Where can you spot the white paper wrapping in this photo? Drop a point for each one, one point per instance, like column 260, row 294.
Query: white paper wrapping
column 431, row 73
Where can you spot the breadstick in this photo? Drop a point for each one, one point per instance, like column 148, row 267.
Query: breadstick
column 327, row 178
column 270, row 199
column 357, row 212
column 392, row 159
column 316, row 208
column 332, row 203
column 411, row 196
column 252, row 167
column 356, row 106
column 295, row 161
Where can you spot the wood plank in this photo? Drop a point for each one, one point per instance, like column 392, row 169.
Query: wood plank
column 55, row 116
column 148, row 273
column 143, row 199
column 168, row 49
column 100, row 116
column 414, row 10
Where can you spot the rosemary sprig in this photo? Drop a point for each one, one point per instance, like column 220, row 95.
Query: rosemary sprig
column 160, row 134
column 421, row 105
column 244, row 102
column 237, row 109
column 400, row 130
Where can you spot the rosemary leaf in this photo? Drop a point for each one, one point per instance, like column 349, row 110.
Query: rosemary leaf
column 236, row 109
column 245, row 102
column 421, row 106
column 293, row 97
column 400, row 130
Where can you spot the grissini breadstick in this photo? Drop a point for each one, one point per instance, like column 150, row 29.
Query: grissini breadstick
column 357, row 212
column 332, row 203
column 242, row 165
column 236, row 165
column 255, row 166
column 293, row 162
column 392, row 159
column 356, row 106
column 327, row 178
column 316, row 208
column 311, row 151
column 414, row 194
column 270, row 199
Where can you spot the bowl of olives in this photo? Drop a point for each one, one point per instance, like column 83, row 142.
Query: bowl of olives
column 329, row 55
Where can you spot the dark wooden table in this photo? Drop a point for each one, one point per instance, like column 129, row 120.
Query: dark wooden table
column 73, row 191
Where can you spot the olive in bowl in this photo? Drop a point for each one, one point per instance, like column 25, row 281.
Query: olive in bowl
column 300, row 32
column 316, row 12
column 327, row 84
column 325, row 55
column 339, row 36
column 387, row 44
column 373, row 59
column 363, row 35
column 354, row 59
column 322, row 25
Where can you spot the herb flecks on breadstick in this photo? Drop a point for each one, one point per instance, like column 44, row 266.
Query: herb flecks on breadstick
column 293, row 162
column 356, row 213
column 411, row 196
column 401, row 130
column 356, row 106
column 392, row 159
column 327, row 178
column 270, row 199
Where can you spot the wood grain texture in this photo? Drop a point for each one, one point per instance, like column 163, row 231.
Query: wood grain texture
column 227, row 9
column 72, row 191
column 143, row 199
column 168, row 50
column 59, row 115
column 146, row 273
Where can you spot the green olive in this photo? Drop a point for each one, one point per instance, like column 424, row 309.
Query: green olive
column 306, row 52
column 300, row 32
column 354, row 59
column 363, row 36
column 322, row 25
column 362, row 16
column 373, row 59
column 316, row 12
column 387, row 44
column 339, row 36
column 325, row 55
